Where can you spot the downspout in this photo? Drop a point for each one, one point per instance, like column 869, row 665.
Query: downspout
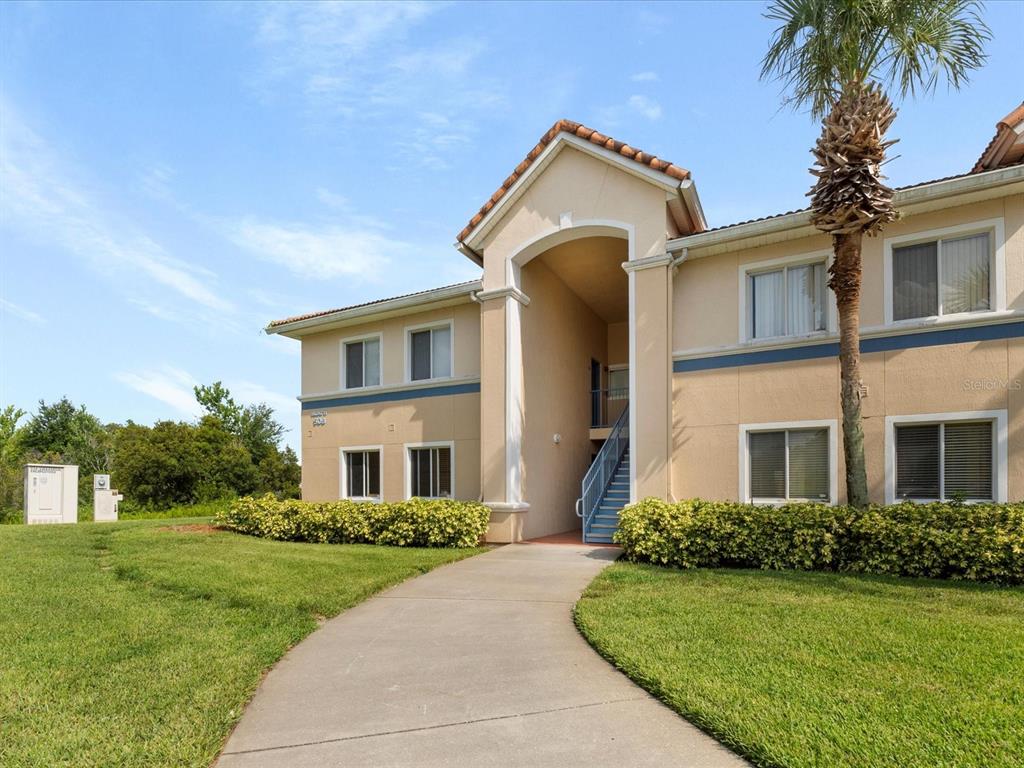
column 678, row 260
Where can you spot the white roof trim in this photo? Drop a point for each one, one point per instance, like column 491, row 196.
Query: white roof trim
column 402, row 305
column 518, row 189
column 904, row 198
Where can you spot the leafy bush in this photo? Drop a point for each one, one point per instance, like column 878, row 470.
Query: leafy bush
column 413, row 523
column 980, row 542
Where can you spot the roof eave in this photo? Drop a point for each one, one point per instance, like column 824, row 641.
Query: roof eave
column 403, row 305
column 798, row 223
column 475, row 236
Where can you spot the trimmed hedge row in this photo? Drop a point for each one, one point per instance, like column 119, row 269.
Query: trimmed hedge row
column 412, row 523
column 979, row 542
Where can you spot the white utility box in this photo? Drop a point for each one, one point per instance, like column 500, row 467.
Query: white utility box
column 51, row 493
column 104, row 500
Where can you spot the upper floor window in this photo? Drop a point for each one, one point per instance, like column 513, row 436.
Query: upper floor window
column 362, row 363
column 942, row 277
column 430, row 353
column 788, row 301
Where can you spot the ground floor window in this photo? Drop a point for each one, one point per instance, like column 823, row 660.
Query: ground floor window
column 788, row 461
column 945, row 460
column 946, row 456
column 430, row 472
column 361, row 479
column 789, row 464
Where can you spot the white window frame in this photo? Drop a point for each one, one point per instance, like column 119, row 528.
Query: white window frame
column 408, row 447
column 343, row 480
column 410, row 330
column 753, row 268
column 996, row 275
column 999, row 448
column 832, row 425
column 343, row 361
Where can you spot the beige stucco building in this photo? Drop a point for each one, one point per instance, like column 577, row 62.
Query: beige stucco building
column 615, row 347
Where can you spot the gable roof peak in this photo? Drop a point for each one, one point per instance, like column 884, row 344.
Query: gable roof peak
column 581, row 131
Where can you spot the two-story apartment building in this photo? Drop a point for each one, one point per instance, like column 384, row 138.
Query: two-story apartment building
column 616, row 347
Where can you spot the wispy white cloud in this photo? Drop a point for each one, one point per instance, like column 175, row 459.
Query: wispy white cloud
column 645, row 106
column 362, row 62
column 42, row 200
column 319, row 252
column 171, row 386
column 174, row 387
column 644, row 77
column 253, row 393
column 23, row 313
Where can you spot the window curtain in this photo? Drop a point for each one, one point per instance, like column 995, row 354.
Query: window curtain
column 371, row 363
column 767, row 465
column 767, row 304
column 917, row 461
column 968, row 460
column 915, row 281
column 441, row 343
column 965, row 274
column 808, row 464
column 805, row 305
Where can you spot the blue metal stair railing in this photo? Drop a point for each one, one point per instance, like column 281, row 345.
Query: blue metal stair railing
column 601, row 472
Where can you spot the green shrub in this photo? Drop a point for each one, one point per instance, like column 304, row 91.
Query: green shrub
column 413, row 523
column 980, row 542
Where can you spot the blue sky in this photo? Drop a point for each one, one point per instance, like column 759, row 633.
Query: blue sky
column 173, row 176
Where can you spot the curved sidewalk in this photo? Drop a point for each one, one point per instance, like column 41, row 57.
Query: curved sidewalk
column 477, row 663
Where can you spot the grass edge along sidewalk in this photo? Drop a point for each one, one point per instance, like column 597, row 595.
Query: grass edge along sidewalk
column 803, row 669
column 139, row 643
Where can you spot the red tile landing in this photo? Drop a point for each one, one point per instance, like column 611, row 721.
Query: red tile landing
column 568, row 537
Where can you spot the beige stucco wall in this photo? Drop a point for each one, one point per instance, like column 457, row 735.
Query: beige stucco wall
column 706, row 290
column 321, row 352
column 618, row 344
column 573, row 192
column 392, row 425
column 561, row 335
column 588, row 189
column 708, row 406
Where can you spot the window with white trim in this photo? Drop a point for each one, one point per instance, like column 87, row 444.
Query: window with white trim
column 430, row 472
column 789, row 464
column 945, row 460
column 787, row 301
column 362, row 474
column 939, row 277
column 430, row 353
column 362, row 363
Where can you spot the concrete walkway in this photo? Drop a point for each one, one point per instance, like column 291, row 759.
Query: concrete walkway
column 473, row 664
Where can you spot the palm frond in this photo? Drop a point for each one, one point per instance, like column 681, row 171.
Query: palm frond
column 907, row 46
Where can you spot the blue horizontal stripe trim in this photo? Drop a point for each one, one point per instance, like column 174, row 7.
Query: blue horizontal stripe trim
column 391, row 397
column 831, row 349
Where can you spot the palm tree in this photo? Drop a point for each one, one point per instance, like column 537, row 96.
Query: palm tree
column 839, row 57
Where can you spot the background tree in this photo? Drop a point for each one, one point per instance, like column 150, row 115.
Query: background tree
column 839, row 58
column 254, row 425
column 11, row 451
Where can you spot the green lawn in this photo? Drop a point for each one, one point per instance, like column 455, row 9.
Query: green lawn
column 138, row 644
column 813, row 669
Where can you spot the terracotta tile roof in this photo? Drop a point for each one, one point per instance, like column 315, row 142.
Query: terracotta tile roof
column 1008, row 123
column 323, row 313
column 589, row 134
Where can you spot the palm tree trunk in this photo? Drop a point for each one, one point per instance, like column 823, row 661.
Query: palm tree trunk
column 845, row 282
